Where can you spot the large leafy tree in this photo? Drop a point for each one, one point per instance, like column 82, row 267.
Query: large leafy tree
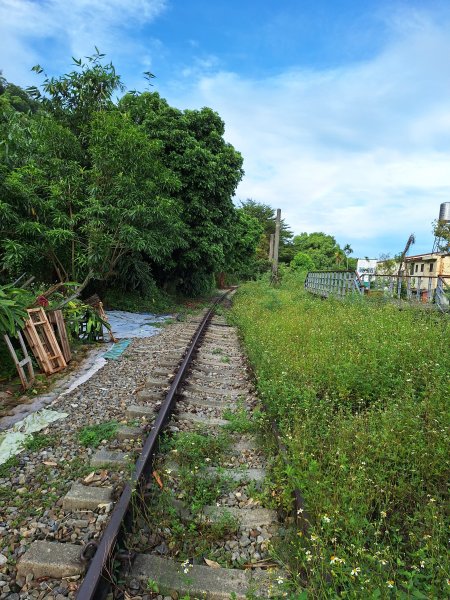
column 41, row 186
column 75, row 97
column 132, row 208
column 208, row 170
column 116, row 190
column 241, row 257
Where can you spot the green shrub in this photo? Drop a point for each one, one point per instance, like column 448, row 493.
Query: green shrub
column 153, row 301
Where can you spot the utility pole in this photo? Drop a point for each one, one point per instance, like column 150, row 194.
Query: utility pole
column 276, row 245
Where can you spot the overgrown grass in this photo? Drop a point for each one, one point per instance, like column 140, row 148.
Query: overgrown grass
column 360, row 393
column 196, row 449
column 39, row 441
column 92, row 435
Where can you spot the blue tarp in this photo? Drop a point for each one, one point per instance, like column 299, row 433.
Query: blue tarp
column 133, row 325
column 116, row 350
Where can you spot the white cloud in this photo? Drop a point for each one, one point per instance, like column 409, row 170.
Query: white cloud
column 67, row 28
column 361, row 152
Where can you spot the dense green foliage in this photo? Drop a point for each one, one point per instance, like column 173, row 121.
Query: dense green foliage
column 323, row 250
column 12, row 309
column 441, row 230
column 265, row 216
column 360, row 391
column 302, row 262
column 132, row 192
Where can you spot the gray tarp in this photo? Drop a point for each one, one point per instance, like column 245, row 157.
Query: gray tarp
column 13, row 441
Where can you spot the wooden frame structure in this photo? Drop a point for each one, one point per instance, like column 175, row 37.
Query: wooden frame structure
column 42, row 341
column 56, row 319
column 26, row 379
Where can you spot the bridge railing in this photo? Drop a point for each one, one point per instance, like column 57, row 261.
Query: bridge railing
column 442, row 293
column 337, row 283
column 411, row 288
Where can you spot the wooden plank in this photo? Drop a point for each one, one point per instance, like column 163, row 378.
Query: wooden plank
column 57, row 320
column 26, row 382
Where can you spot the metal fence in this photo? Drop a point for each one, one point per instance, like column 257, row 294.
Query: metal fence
column 442, row 292
column 336, row 283
column 411, row 288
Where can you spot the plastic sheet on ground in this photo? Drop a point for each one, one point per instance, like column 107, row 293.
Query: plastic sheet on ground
column 133, row 325
column 13, row 441
column 116, row 351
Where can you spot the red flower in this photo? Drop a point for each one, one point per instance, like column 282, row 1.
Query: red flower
column 42, row 301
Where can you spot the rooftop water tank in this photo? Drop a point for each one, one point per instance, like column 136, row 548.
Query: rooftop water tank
column 444, row 212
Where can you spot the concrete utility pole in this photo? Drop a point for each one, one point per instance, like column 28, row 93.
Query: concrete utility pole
column 276, row 246
column 272, row 237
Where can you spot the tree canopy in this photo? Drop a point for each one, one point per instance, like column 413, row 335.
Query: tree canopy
column 323, row 250
column 265, row 215
column 129, row 191
column 441, row 231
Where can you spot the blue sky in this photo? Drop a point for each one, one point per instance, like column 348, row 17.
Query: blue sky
column 341, row 108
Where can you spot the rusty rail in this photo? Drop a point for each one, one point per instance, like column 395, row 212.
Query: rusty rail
column 98, row 579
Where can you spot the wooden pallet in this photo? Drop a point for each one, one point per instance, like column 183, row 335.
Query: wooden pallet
column 26, row 378
column 42, row 341
column 56, row 319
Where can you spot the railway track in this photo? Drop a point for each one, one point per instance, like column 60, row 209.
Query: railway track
column 193, row 519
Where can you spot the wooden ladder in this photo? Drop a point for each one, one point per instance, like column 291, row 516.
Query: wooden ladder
column 27, row 379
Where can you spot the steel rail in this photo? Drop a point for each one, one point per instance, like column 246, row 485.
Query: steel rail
column 98, row 579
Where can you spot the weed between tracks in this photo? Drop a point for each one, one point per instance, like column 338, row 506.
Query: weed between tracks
column 92, row 435
column 174, row 506
column 39, row 441
column 172, row 519
column 359, row 391
column 240, row 420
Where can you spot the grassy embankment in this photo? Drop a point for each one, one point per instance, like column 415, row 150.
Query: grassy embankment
column 360, row 391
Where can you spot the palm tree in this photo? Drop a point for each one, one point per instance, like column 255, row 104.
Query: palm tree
column 347, row 251
column 338, row 257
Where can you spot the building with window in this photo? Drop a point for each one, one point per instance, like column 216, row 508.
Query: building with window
column 423, row 270
column 428, row 265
